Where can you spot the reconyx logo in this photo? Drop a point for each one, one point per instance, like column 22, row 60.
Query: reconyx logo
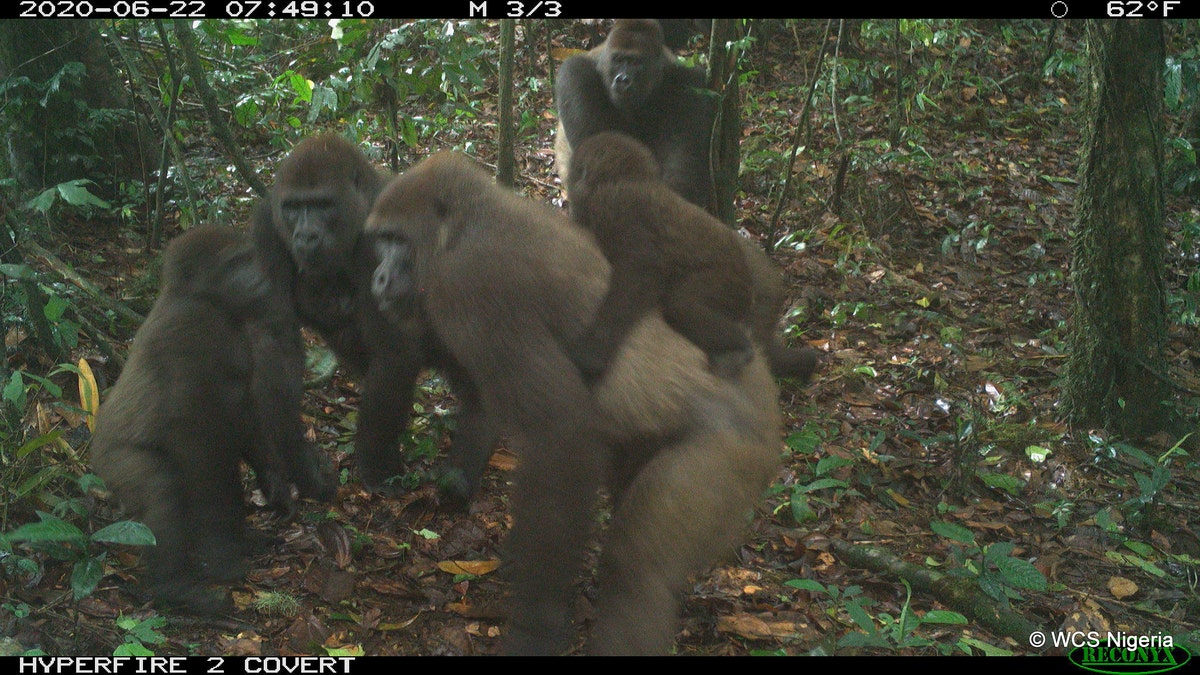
column 1121, row 654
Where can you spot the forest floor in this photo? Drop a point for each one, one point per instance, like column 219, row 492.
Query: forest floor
column 932, row 436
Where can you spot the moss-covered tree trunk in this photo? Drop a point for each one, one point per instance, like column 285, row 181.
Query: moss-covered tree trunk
column 1114, row 373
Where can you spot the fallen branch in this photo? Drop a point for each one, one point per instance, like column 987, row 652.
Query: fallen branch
column 66, row 272
column 960, row 594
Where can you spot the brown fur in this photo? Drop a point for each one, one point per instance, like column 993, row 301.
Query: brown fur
column 633, row 84
column 204, row 388
column 310, row 234
column 665, row 252
column 504, row 285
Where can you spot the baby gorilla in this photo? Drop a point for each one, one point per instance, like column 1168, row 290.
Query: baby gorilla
column 201, row 391
column 665, row 252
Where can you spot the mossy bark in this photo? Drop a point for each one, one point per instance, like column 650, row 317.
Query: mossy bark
column 1114, row 375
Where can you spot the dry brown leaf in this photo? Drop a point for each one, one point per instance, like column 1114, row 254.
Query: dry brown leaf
column 476, row 567
column 755, row 628
column 1121, row 588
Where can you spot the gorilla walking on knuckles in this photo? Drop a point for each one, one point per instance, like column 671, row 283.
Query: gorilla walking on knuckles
column 205, row 387
column 506, row 284
column 665, row 252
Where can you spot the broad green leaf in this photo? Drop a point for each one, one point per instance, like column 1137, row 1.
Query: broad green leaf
column 86, row 574
column 1020, row 573
column 50, row 529
column 127, row 532
column 943, row 616
column 953, row 531
column 806, row 585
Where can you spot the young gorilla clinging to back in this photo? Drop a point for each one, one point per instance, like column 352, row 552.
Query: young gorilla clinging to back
column 665, row 252
column 205, row 386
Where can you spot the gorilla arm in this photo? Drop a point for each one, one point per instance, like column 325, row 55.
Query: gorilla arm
column 506, row 284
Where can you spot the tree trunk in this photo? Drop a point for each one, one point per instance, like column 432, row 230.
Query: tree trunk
column 1115, row 373
column 725, row 152
column 505, row 161
column 54, row 130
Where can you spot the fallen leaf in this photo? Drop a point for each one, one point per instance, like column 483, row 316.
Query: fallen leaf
column 1121, row 588
column 476, row 567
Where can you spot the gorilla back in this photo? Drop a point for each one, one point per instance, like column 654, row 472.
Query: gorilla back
column 200, row 392
column 506, row 284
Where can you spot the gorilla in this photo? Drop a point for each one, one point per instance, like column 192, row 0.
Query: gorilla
column 503, row 285
column 309, row 234
column 665, row 252
column 634, row 84
column 205, row 387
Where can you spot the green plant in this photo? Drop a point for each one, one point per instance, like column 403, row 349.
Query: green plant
column 64, row 541
column 883, row 631
column 801, row 494
column 997, row 572
column 138, row 634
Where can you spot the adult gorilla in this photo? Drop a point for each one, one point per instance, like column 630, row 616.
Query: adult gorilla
column 505, row 284
column 634, row 84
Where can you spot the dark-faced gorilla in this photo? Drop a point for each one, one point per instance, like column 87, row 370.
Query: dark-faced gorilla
column 204, row 387
column 665, row 252
column 633, row 84
column 310, row 235
column 504, row 285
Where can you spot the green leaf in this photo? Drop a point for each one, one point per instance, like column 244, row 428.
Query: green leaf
column 991, row 585
column 75, row 194
column 86, row 574
column 1037, row 454
column 1144, row 565
column 828, row 464
column 807, row 585
column 127, row 532
column 17, row 271
column 1003, row 481
column 988, row 650
column 1020, row 573
column 943, row 616
column 300, row 85
column 801, row 511
column 38, row 442
column 803, row 442
column 132, row 649
column 822, row 483
column 50, row 529
column 953, row 531
column 14, row 391
column 1141, row 548
column 860, row 616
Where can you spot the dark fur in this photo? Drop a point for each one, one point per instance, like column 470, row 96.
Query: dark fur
column 633, row 84
column 665, row 252
column 505, row 284
column 204, row 387
column 310, row 235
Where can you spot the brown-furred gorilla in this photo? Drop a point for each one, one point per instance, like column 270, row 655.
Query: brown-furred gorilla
column 204, row 388
column 504, row 284
column 310, row 236
column 634, row 84
column 665, row 252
